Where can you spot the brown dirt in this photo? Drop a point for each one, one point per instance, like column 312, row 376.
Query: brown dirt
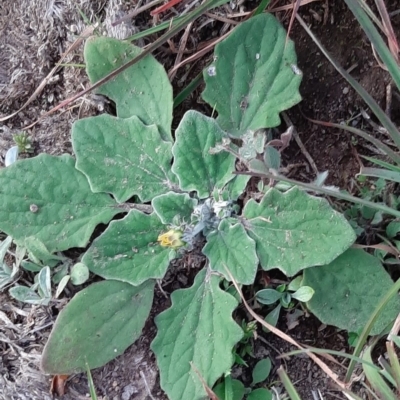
column 32, row 37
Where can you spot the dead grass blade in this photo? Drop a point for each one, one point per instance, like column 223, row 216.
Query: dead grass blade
column 295, row 5
column 208, row 4
column 286, row 337
column 388, row 29
column 85, row 34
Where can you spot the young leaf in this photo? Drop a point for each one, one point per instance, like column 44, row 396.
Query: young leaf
column 197, row 329
column 348, row 289
column 303, row 294
column 61, row 286
column 123, row 157
column 128, row 250
column 79, row 274
column 238, row 390
column 294, row 230
column 97, row 325
column 170, row 205
column 272, row 317
column 143, row 89
column 261, row 371
column 234, row 188
column 230, row 248
column 268, row 296
column 295, row 284
column 254, row 76
column 27, row 295
column 46, row 197
column 195, row 167
column 45, row 282
column 260, row 394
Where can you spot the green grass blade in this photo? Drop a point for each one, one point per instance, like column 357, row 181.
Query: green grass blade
column 376, row 142
column 376, row 380
column 154, row 29
column 372, row 104
column 381, row 173
column 184, row 93
column 376, row 39
column 367, row 329
column 261, row 7
column 329, row 192
column 92, row 390
column 291, row 391
column 382, row 164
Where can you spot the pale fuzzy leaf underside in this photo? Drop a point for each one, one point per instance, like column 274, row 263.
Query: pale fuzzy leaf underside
column 96, row 326
column 294, row 230
column 254, row 76
column 195, row 336
column 46, row 197
column 172, row 206
column 143, row 89
column 128, row 250
column 123, row 157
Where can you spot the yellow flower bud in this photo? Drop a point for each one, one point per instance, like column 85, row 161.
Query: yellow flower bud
column 171, row 239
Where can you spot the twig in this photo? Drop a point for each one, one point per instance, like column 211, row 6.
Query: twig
column 300, row 143
column 146, row 385
column 182, row 47
column 86, row 33
column 136, row 12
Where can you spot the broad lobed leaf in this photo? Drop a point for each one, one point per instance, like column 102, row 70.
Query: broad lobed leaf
column 123, row 157
column 348, row 290
column 294, row 230
column 128, row 250
column 47, row 198
column 254, row 76
column 143, row 89
column 97, row 325
column 195, row 336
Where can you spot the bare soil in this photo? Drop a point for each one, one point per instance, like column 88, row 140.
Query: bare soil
column 33, row 35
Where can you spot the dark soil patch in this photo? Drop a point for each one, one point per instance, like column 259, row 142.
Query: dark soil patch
column 31, row 41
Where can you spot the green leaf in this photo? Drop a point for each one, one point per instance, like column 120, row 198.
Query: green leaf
column 234, row 188
column 238, row 390
column 375, row 378
column 260, row 394
column 172, row 205
column 272, row 158
column 272, row 317
column 143, row 89
column 195, row 167
column 97, row 325
column 268, row 296
column 27, row 295
column 348, row 290
column 197, row 330
column 38, row 252
column 295, row 284
column 46, row 197
column 128, row 250
column 294, row 230
column 230, row 248
column 261, row 371
column 303, row 294
column 123, row 157
column 254, row 76
column 79, row 274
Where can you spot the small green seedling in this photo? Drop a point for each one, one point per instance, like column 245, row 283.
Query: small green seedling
column 178, row 190
column 233, row 389
column 23, row 141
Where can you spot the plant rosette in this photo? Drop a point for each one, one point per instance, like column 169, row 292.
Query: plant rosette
column 185, row 190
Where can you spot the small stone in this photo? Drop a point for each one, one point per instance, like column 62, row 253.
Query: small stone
column 346, row 90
